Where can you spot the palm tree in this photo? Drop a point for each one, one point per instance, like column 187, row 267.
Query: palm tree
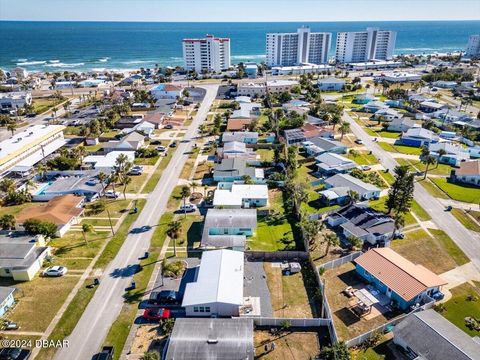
column 12, row 127
column 127, row 180
column 184, row 193
column 102, row 177
column 86, row 228
column 344, row 128
column 194, row 185
column 399, row 222
column 113, row 180
column 173, row 230
column 428, row 160
column 441, row 153
column 335, row 121
column 28, row 183
column 330, row 239
column 354, row 196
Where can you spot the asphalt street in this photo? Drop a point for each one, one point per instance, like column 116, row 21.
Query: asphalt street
column 468, row 241
column 92, row 328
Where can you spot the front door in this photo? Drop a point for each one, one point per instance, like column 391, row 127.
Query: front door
column 389, row 292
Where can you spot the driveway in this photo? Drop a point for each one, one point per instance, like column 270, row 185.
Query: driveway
column 103, row 309
column 255, row 285
column 465, row 239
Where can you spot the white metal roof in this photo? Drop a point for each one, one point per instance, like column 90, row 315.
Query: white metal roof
column 108, row 160
column 238, row 193
column 219, row 280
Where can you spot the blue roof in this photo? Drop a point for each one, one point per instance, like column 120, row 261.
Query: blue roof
column 159, row 87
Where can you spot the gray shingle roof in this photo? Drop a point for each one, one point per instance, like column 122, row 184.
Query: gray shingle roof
column 433, row 337
column 211, row 339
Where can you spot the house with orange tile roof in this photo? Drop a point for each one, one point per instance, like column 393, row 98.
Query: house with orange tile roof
column 63, row 211
column 238, row 124
column 404, row 282
column 468, row 173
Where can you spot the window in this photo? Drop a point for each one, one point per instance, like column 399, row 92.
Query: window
column 202, row 309
column 207, row 309
column 195, row 309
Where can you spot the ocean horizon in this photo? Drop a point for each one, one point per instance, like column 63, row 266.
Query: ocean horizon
column 91, row 45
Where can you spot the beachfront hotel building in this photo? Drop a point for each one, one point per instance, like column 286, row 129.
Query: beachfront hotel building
column 302, row 47
column 361, row 46
column 473, row 47
column 210, row 54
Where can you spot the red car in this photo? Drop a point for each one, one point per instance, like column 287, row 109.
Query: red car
column 156, row 314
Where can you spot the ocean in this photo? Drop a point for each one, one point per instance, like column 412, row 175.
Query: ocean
column 80, row 46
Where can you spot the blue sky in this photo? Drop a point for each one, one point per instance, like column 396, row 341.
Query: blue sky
column 244, row 10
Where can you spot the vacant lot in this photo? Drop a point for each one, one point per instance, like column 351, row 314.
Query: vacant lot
column 464, row 302
column 420, row 248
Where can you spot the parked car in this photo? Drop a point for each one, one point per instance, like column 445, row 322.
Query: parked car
column 156, row 314
column 136, row 170
column 55, row 271
column 155, row 142
column 168, row 126
column 359, row 141
column 161, row 148
column 31, row 115
column 112, row 194
column 187, row 208
column 106, row 354
column 14, row 354
column 173, row 144
column 91, row 182
column 164, row 297
column 365, row 167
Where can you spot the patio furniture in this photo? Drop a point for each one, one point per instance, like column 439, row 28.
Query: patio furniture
column 349, row 292
column 365, row 300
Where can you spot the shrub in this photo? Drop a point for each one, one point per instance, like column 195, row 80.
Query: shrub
column 35, row 227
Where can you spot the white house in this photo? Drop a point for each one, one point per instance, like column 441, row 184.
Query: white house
column 166, row 91
column 365, row 190
column 230, row 195
column 398, row 77
column 15, row 100
column 468, row 173
column 106, row 163
column 331, row 84
column 387, row 114
column 218, row 287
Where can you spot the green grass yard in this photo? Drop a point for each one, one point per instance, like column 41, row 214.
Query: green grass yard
column 363, row 158
column 432, row 189
column 464, row 193
column 465, row 219
column 451, row 248
column 420, row 212
column 272, row 236
column 409, row 150
column 459, row 307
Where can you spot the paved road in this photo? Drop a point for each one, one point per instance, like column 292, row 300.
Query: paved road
column 39, row 120
column 92, row 328
column 467, row 240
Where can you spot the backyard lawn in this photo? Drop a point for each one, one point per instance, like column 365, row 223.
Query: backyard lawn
column 272, row 235
column 288, row 345
column 191, row 234
column 464, row 303
column 465, row 193
column 379, row 205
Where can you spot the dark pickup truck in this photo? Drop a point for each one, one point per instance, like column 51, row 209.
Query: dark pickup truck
column 105, row 354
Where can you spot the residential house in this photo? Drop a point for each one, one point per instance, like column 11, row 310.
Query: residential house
column 228, row 228
column 239, row 124
column 6, row 299
column 402, row 124
column 166, row 91
column 468, row 173
column 397, row 77
column 365, row 223
column 474, row 151
column 365, row 190
column 331, row 84
column 236, row 149
column 428, row 335
column 445, row 84
column 387, row 114
column 374, row 106
column 166, row 106
column 211, row 339
column 129, row 121
column 363, row 99
column 155, row 117
column 330, row 164
column 15, row 100
column 63, row 211
column 22, row 256
column 218, row 288
column 417, row 137
column 236, row 169
column 449, row 115
column 404, row 282
column 69, row 182
column 106, row 163
column 335, row 196
column 319, row 145
column 305, row 133
column 231, row 195
column 431, row 107
column 247, row 137
column 454, row 154
column 131, row 142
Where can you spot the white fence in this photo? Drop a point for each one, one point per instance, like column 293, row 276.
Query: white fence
column 339, row 262
column 293, row 322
